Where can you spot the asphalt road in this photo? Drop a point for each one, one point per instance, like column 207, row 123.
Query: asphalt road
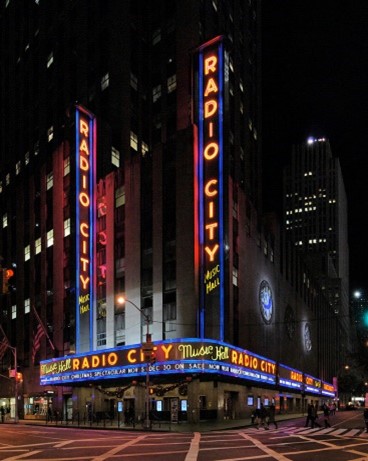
column 291, row 441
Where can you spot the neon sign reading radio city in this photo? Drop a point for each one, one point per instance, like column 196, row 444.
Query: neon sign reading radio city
column 210, row 181
column 85, row 205
column 210, row 153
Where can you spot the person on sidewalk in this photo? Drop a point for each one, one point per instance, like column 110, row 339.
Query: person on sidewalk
column 271, row 418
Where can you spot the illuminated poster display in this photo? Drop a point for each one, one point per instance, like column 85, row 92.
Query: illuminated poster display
column 312, row 384
column 209, row 185
column 288, row 377
column 85, row 125
column 182, row 356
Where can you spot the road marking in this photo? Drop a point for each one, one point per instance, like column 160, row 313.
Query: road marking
column 352, row 432
column 25, row 455
column 115, row 450
column 62, row 444
column 264, row 448
column 193, row 451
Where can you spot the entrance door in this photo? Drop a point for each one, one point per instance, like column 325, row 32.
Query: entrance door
column 230, row 401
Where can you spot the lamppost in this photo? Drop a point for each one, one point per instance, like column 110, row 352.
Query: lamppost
column 147, row 348
column 14, row 350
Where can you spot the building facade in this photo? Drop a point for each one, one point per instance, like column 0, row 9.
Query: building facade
column 131, row 170
column 315, row 213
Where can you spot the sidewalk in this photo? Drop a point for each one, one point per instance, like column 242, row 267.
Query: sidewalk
column 203, row 426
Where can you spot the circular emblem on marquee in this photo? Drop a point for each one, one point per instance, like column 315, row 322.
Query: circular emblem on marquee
column 266, row 301
column 290, row 321
column 307, row 337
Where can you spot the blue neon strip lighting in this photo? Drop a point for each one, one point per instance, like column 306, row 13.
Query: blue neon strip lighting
column 92, row 135
column 201, row 196
column 221, row 193
column 77, row 230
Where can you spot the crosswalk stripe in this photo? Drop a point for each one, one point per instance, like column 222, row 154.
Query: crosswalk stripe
column 326, row 430
column 352, row 432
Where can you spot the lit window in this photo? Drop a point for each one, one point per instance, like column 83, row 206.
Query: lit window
column 26, row 158
column 50, row 133
column 115, row 156
column 66, row 166
column 14, row 311
column 49, row 181
column 27, row 306
column 7, row 3
column 105, row 81
column 156, row 37
column 50, row 59
column 119, row 197
column 133, row 141
column 36, row 148
column 133, row 81
column 7, row 179
column 231, row 65
column 144, row 148
column 27, row 253
column 156, row 93
column 50, row 238
column 241, row 107
column 171, row 84
column 1, row 186
column 241, row 86
column 214, row 4
column 5, row 220
column 38, row 246
column 67, row 227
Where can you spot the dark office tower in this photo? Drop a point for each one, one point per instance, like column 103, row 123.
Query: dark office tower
column 130, row 196
column 315, row 216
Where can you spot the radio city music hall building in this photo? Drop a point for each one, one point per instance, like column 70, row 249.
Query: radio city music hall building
column 131, row 168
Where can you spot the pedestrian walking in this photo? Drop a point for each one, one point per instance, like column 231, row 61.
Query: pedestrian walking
column 2, row 412
column 315, row 416
column 310, row 412
column 256, row 416
column 263, row 414
column 365, row 416
column 326, row 415
column 271, row 417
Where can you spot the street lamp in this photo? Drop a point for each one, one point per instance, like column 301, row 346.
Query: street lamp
column 14, row 350
column 147, row 349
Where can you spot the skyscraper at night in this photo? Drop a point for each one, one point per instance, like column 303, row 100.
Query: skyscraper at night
column 131, row 205
column 315, row 213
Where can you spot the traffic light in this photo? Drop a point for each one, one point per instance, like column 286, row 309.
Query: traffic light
column 5, row 275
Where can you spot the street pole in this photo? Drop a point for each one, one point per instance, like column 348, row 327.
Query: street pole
column 15, row 386
column 147, row 348
column 147, row 423
column 14, row 351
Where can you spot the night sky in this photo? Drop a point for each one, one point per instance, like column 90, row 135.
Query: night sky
column 315, row 83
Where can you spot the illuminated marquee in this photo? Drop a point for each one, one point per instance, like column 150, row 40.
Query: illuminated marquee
column 288, row 377
column 85, row 228
column 209, row 187
column 328, row 389
column 311, row 384
column 189, row 356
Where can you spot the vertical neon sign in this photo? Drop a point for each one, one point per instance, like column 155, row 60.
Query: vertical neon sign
column 85, row 124
column 209, row 187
